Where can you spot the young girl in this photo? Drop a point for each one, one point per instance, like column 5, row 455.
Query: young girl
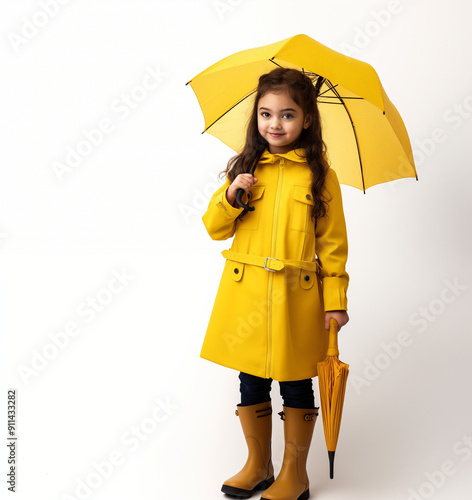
column 284, row 277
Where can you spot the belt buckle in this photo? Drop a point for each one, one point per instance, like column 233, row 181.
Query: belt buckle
column 265, row 263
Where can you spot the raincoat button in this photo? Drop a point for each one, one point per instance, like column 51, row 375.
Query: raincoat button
column 308, row 196
column 236, row 270
column 307, row 278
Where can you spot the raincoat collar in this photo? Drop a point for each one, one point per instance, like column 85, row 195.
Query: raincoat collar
column 294, row 155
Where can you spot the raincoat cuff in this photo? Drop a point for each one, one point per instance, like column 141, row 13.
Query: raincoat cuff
column 223, row 203
column 334, row 293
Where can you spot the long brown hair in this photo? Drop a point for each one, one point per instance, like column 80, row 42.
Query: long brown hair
column 302, row 90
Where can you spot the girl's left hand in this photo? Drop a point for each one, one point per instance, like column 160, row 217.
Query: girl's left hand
column 340, row 316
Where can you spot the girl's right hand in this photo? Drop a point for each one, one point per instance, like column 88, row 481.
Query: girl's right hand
column 244, row 181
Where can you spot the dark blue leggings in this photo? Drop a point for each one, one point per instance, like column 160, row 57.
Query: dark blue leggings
column 295, row 394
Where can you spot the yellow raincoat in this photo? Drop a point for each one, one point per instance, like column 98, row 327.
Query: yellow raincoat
column 282, row 272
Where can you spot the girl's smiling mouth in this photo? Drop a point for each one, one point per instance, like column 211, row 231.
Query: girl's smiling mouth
column 275, row 135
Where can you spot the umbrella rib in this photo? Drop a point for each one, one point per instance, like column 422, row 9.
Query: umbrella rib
column 228, row 110
column 272, row 61
column 327, row 102
column 329, row 88
column 340, row 97
column 353, row 129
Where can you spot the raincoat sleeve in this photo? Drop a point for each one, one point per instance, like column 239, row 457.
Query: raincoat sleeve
column 331, row 247
column 220, row 217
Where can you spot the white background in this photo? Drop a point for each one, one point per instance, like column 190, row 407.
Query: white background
column 133, row 207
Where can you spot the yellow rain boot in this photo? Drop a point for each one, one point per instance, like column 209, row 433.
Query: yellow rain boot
column 258, row 472
column 292, row 482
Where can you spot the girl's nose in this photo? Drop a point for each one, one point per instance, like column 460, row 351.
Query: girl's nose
column 275, row 123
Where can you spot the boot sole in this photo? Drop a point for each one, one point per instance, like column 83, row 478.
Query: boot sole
column 304, row 496
column 240, row 492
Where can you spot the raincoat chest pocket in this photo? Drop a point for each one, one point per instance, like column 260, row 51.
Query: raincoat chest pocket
column 250, row 220
column 302, row 205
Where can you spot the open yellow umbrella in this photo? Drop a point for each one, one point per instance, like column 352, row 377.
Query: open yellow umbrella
column 332, row 378
column 365, row 136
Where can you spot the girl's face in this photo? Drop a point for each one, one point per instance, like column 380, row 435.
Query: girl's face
column 280, row 121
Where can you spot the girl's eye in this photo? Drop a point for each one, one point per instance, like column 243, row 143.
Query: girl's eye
column 288, row 115
column 264, row 114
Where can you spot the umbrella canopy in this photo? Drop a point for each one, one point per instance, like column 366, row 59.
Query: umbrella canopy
column 366, row 138
column 332, row 377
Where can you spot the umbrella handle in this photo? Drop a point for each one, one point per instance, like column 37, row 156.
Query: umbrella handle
column 240, row 191
column 333, row 338
column 239, row 200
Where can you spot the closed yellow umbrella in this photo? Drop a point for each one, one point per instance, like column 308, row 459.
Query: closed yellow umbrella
column 332, row 378
column 365, row 136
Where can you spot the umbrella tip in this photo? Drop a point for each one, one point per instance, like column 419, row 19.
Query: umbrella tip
column 331, row 464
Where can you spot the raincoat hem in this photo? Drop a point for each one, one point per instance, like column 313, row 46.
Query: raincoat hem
column 233, row 366
column 239, row 367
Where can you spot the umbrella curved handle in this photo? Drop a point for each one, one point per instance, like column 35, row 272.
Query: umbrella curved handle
column 240, row 191
column 240, row 202
column 333, row 338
